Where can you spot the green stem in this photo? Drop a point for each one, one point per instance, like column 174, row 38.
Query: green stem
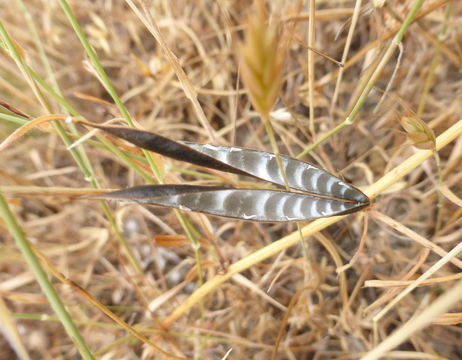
column 320, row 140
column 42, row 278
column 374, row 77
column 423, row 100
column 78, row 155
column 110, row 88
column 274, row 145
column 94, row 59
column 196, row 247
column 433, row 65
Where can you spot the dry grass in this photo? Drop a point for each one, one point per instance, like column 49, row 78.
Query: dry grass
column 176, row 73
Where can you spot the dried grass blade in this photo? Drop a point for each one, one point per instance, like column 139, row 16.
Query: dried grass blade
column 19, row 132
column 176, row 241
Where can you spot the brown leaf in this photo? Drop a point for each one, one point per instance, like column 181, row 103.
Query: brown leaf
column 176, row 240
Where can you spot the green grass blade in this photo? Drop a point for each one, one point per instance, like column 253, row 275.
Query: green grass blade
column 42, row 278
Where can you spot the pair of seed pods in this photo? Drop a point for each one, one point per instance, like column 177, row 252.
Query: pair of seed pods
column 317, row 193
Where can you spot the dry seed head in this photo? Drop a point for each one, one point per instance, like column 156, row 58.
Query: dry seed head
column 261, row 58
column 418, row 132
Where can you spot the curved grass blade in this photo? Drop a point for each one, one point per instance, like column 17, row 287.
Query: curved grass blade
column 246, row 204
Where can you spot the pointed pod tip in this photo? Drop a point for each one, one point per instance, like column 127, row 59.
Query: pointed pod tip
column 361, row 197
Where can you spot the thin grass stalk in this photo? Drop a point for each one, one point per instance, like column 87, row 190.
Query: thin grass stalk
column 442, row 304
column 275, row 148
column 79, row 154
column 419, row 239
column 371, row 66
column 372, row 191
column 125, row 158
column 440, row 195
column 103, row 308
column 33, row 263
column 386, row 57
column 311, row 39
column 43, row 56
column 186, row 84
column 426, row 275
column 122, row 155
column 12, row 49
column 389, row 34
column 102, row 74
column 333, row 252
column 110, row 88
column 383, row 62
column 50, row 75
column 189, row 228
column 13, row 118
column 346, row 49
column 81, row 162
column 436, row 57
column 11, row 334
column 285, row 320
column 261, row 58
column 428, row 84
column 94, row 59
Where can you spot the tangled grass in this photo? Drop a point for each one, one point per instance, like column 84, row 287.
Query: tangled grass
column 126, row 281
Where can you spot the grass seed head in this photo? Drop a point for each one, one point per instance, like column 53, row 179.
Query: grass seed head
column 418, row 132
column 261, row 58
